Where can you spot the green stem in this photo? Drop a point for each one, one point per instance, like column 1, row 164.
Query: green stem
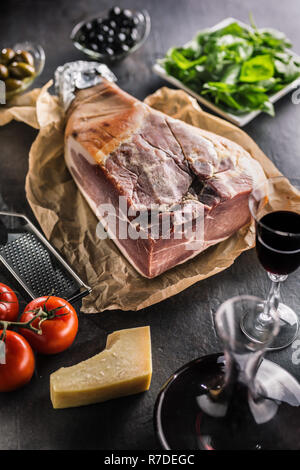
column 25, row 325
column 41, row 313
column 3, row 334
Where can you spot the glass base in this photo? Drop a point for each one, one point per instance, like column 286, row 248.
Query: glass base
column 289, row 326
column 181, row 420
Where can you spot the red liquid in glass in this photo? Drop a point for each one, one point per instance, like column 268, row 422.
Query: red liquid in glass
column 277, row 252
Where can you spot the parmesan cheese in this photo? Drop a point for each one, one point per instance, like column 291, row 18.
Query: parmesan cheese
column 123, row 368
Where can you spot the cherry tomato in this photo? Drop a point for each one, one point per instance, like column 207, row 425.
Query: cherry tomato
column 20, row 362
column 9, row 305
column 58, row 330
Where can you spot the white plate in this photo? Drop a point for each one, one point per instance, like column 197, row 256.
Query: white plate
column 238, row 120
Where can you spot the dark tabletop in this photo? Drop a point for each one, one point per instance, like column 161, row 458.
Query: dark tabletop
column 182, row 326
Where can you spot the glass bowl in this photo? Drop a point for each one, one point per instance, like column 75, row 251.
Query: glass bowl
column 143, row 30
column 38, row 55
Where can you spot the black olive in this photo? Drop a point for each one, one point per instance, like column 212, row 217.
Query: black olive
column 117, row 28
column 92, row 35
column 110, row 32
column 100, row 38
column 120, row 48
column 88, row 26
column 81, row 38
column 135, row 21
column 104, row 28
column 134, row 34
column 110, row 40
column 98, row 26
column 112, row 24
column 130, row 39
column 121, row 37
column 124, row 48
column 114, row 12
column 127, row 13
column 127, row 23
column 94, row 47
column 109, row 51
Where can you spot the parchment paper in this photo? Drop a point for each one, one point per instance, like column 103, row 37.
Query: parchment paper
column 70, row 225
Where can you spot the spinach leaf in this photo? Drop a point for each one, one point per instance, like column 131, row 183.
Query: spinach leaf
column 233, row 28
column 288, row 71
column 182, row 62
column 260, row 67
column 231, row 74
column 274, row 39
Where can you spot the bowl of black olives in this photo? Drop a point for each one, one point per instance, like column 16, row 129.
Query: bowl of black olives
column 112, row 35
column 19, row 66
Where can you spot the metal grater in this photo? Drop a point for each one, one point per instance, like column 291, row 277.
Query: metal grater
column 34, row 263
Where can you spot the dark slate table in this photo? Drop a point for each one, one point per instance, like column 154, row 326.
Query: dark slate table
column 181, row 327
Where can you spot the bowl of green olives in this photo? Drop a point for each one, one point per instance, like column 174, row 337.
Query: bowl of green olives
column 112, row 35
column 19, row 67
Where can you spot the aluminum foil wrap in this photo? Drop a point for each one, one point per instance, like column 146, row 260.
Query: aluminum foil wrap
column 76, row 75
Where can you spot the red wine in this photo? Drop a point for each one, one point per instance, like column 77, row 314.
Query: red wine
column 279, row 253
column 238, row 429
column 182, row 420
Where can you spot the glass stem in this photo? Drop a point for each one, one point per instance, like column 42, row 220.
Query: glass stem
column 272, row 301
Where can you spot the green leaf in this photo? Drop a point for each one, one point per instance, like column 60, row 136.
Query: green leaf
column 182, row 62
column 203, row 36
column 285, row 57
column 253, row 99
column 233, row 28
column 288, row 72
column 267, row 85
column 278, row 87
column 273, row 38
column 268, row 108
column 231, row 74
column 261, row 67
column 245, row 50
column 230, row 101
column 251, row 88
column 220, row 86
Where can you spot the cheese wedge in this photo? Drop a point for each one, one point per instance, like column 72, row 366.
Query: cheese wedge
column 123, row 368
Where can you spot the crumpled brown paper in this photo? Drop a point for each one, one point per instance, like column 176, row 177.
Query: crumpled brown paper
column 70, row 225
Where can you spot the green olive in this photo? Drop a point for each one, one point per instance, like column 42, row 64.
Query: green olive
column 13, row 84
column 7, row 55
column 3, row 72
column 24, row 56
column 21, row 70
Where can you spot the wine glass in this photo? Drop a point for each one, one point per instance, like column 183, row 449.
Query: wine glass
column 275, row 207
column 235, row 400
